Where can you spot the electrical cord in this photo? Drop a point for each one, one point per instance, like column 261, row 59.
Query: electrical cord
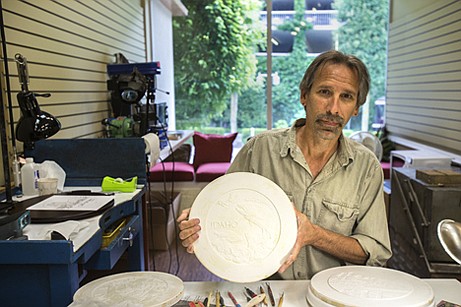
column 168, row 200
column 173, row 211
column 149, row 209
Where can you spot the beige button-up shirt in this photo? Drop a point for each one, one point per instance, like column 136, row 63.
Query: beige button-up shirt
column 346, row 197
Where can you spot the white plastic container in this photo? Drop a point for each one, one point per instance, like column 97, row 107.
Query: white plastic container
column 29, row 178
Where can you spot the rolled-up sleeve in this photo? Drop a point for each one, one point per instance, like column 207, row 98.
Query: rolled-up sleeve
column 372, row 228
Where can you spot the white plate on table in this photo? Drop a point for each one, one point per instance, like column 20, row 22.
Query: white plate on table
column 131, row 289
column 248, row 227
column 368, row 286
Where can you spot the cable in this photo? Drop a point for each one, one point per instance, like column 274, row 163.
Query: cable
column 149, row 209
column 168, row 201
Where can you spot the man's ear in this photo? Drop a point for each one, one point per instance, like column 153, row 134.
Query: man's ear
column 356, row 111
column 303, row 98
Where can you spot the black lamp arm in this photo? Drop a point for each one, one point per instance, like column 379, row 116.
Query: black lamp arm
column 28, row 103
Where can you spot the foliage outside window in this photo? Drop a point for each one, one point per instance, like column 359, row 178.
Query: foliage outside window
column 364, row 34
column 214, row 54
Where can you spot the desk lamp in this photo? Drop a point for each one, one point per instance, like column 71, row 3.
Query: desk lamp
column 34, row 123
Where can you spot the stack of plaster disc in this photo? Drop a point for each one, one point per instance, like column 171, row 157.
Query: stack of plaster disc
column 131, row 289
column 368, row 286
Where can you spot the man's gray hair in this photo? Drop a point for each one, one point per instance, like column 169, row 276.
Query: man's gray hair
column 337, row 57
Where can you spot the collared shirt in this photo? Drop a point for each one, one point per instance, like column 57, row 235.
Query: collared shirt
column 346, row 196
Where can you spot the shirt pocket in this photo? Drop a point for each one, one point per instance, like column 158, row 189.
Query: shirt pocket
column 337, row 216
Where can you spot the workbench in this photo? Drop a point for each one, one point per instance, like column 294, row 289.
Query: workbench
column 48, row 272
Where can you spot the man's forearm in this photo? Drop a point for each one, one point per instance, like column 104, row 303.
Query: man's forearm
column 340, row 246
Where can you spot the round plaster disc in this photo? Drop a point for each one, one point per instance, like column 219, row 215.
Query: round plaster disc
column 132, row 289
column 248, row 227
column 368, row 286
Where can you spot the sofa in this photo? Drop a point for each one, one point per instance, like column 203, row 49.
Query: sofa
column 211, row 156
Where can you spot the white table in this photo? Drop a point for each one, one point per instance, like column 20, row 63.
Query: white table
column 296, row 290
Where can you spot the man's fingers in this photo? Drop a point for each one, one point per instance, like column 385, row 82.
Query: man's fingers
column 184, row 215
column 190, row 249
column 188, row 232
column 189, row 240
column 291, row 258
column 188, row 224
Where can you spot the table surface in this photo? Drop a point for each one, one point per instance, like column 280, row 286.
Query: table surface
column 35, row 231
column 296, row 290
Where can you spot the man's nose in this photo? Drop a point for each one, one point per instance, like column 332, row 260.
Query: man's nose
column 334, row 105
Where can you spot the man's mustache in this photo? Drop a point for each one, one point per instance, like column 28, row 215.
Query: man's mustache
column 331, row 118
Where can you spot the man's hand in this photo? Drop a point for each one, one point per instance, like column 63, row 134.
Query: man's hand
column 306, row 235
column 188, row 230
column 340, row 246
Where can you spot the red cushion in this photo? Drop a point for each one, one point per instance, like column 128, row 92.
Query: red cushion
column 212, row 148
column 210, row 171
column 386, row 169
column 160, row 172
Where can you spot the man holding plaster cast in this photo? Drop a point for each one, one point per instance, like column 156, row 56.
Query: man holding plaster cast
column 335, row 184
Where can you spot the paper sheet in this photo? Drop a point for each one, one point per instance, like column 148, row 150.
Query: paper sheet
column 72, row 203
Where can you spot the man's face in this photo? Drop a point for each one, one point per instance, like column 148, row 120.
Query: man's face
column 332, row 100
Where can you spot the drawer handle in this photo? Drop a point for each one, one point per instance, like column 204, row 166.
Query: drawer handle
column 130, row 237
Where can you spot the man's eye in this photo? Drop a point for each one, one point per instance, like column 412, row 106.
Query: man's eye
column 348, row 96
column 324, row 92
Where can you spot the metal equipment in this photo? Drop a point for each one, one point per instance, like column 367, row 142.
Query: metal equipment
column 133, row 87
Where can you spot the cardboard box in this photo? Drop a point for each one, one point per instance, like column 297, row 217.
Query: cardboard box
column 163, row 217
column 439, row 176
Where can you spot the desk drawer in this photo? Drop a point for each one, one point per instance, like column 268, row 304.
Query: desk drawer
column 107, row 257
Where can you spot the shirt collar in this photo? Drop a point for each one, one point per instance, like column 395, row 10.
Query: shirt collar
column 290, row 142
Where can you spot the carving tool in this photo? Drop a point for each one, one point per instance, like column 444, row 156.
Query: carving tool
column 207, row 300
column 271, row 295
column 261, row 290
column 246, row 296
column 255, row 300
column 281, row 300
column 233, row 299
column 250, row 292
column 219, row 300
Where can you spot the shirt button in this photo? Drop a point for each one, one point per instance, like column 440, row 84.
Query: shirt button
column 300, row 274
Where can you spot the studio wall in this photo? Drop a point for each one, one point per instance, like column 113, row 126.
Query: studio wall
column 423, row 99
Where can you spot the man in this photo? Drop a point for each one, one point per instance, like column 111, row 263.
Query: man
column 335, row 184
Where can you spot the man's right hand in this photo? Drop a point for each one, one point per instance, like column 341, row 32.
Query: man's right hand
column 188, row 230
